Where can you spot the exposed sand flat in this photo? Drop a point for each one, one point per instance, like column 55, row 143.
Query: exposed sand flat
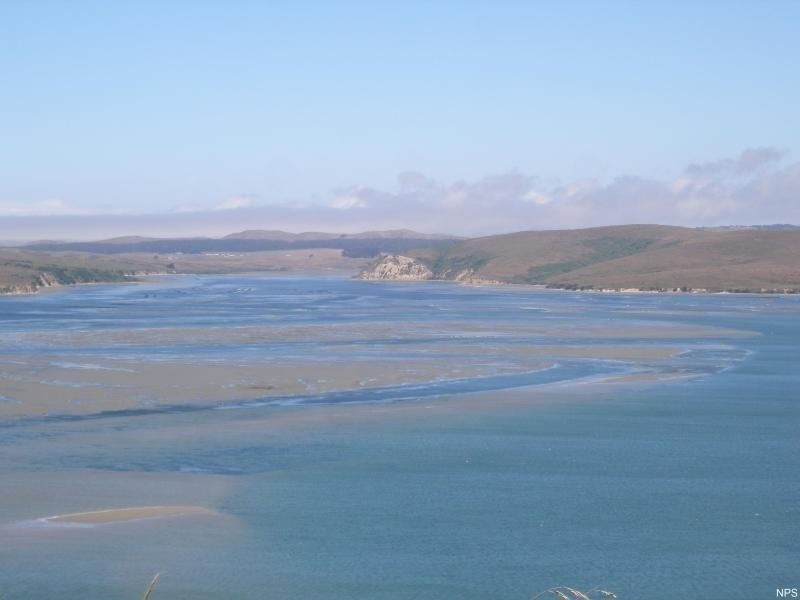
column 650, row 377
column 47, row 384
column 615, row 352
column 40, row 385
column 119, row 515
column 78, row 372
column 279, row 334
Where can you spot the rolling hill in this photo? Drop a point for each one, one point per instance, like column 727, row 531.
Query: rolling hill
column 645, row 257
column 358, row 245
column 48, row 263
column 25, row 272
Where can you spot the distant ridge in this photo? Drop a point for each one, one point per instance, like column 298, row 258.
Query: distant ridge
column 126, row 239
column 774, row 227
column 284, row 236
column 365, row 244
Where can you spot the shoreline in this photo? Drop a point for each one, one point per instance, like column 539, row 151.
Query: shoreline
column 473, row 282
column 152, row 276
column 543, row 287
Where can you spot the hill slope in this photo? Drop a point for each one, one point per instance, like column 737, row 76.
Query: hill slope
column 23, row 272
column 647, row 257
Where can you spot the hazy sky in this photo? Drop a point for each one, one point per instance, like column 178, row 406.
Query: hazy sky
column 477, row 116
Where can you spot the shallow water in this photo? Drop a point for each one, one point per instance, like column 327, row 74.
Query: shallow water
column 495, row 484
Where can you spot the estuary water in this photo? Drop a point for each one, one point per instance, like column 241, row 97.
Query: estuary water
column 397, row 441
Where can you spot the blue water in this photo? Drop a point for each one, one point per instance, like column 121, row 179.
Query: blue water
column 687, row 488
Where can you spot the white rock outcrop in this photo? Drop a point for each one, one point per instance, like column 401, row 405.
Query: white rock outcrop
column 398, row 268
column 42, row 280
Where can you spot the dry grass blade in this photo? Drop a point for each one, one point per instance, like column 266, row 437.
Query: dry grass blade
column 577, row 594
column 563, row 592
column 150, row 587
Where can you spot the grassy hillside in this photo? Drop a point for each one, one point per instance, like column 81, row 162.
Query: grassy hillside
column 26, row 271
column 647, row 257
column 630, row 256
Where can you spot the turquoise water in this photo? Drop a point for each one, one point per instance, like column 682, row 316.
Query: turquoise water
column 490, row 487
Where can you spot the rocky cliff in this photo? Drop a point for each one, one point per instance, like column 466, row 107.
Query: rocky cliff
column 405, row 268
column 42, row 280
column 398, row 268
column 29, row 280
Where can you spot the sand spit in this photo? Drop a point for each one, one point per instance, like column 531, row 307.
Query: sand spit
column 121, row 515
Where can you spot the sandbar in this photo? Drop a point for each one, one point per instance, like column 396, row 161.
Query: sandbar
column 120, row 515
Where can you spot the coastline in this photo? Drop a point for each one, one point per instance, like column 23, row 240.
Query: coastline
column 55, row 286
column 477, row 282
column 144, row 277
column 139, row 277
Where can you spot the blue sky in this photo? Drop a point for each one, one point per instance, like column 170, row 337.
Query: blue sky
column 310, row 108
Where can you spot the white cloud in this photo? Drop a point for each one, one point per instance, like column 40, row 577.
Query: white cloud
column 348, row 201
column 234, row 202
column 52, row 206
column 537, row 197
column 749, row 161
column 754, row 187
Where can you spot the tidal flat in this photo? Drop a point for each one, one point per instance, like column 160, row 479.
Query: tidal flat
column 324, row 437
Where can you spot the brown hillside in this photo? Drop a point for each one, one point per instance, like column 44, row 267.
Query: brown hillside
column 630, row 256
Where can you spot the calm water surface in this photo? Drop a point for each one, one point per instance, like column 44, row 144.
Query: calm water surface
column 687, row 488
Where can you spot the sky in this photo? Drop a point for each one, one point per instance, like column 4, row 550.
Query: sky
column 202, row 118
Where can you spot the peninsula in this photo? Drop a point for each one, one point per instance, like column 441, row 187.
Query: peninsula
column 647, row 258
